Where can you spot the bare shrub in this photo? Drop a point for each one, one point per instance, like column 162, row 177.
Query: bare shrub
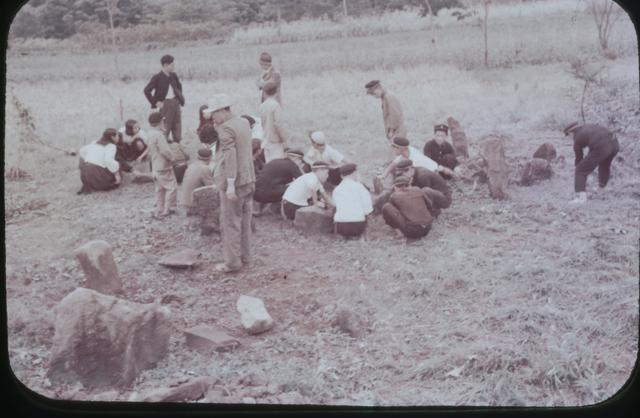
column 605, row 14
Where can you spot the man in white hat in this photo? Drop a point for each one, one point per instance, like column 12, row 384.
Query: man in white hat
column 235, row 178
column 321, row 151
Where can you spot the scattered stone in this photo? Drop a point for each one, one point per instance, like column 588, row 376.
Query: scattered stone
column 141, row 178
column 167, row 299
column 314, row 220
column 190, row 391
column 546, row 151
column 458, row 138
column 101, row 340
column 204, row 338
column 254, row 316
column 350, row 323
column 291, row 398
column 108, row 396
column 249, row 399
column 206, row 203
column 100, row 270
column 215, row 395
column 535, row 170
column 492, row 152
column 182, row 259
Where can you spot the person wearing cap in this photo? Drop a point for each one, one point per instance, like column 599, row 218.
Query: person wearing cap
column 198, row 174
column 353, row 203
column 304, row 191
column 269, row 74
column 321, row 151
column 156, row 92
column 402, row 149
column 439, row 150
column 235, row 178
column 391, row 110
column 162, row 166
column 275, row 137
column 435, row 186
column 603, row 147
column 272, row 181
column 409, row 209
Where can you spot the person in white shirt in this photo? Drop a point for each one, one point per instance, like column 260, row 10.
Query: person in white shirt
column 99, row 169
column 403, row 150
column 321, row 151
column 353, row 204
column 305, row 188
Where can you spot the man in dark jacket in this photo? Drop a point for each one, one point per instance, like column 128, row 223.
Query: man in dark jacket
column 409, row 209
column 439, row 150
column 603, row 147
column 272, row 181
column 156, row 92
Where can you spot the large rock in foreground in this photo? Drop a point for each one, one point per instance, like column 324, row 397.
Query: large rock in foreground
column 314, row 220
column 206, row 204
column 99, row 268
column 104, row 341
column 254, row 316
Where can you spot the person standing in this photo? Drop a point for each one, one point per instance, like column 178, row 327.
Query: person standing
column 269, row 74
column 391, row 110
column 353, row 204
column 162, row 167
column 275, row 137
column 439, row 150
column 603, row 147
column 408, row 210
column 235, row 179
column 157, row 91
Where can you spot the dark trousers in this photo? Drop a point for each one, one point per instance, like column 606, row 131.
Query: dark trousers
column 273, row 195
column 235, row 223
column 179, row 170
column 395, row 219
column 289, row 209
column 172, row 119
column 601, row 158
column 351, row 229
column 334, row 176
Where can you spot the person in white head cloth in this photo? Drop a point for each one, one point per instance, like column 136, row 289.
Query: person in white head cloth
column 321, row 151
column 235, row 179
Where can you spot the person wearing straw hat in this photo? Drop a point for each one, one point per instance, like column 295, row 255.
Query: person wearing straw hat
column 391, row 110
column 235, row 179
column 272, row 181
column 198, row 174
column 275, row 137
column 439, row 150
column 603, row 147
column 304, row 190
column 269, row 74
column 321, row 151
column 409, row 209
column 353, row 204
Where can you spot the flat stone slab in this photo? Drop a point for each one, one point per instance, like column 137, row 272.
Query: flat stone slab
column 189, row 391
column 313, row 219
column 204, row 337
column 182, row 259
column 254, row 316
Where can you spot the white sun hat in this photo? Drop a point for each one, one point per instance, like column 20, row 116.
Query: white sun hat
column 217, row 102
column 318, row 137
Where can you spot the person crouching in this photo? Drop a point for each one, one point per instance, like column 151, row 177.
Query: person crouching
column 409, row 209
column 353, row 204
column 305, row 189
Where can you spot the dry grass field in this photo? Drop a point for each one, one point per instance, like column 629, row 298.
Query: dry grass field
column 527, row 301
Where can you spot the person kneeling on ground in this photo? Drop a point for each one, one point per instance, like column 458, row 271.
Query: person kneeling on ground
column 409, row 209
column 321, row 151
column 603, row 147
column 305, row 188
column 99, row 169
column 198, row 174
column 272, row 181
column 353, row 204
column 162, row 166
column 439, row 150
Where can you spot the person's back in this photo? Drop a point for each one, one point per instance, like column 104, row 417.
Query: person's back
column 592, row 136
column 198, row 174
column 425, row 178
column 161, row 154
column 412, row 203
column 353, row 201
column 238, row 128
column 279, row 171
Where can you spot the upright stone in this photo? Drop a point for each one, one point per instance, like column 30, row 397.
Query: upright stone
column 458, row 138
column 102, row 341
column 254, row 316
column 206, row 203
column 313, row 219
column 546, row 151
column 536, row 170
column 99, row 268
column 492, row 151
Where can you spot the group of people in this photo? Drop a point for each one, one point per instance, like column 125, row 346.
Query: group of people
column 252, row 170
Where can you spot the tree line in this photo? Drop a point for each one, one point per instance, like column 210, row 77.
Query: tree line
column 64, row 18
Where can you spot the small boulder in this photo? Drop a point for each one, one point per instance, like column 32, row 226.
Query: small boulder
column 546, row 151
column 102, row 341
column 206, row 204
column 314, row 220
column 100, row 270
column 350, row 323
column 182, row 259
column 254, row 316
column 534, row 171
column 190, row 391
column 204, row 338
